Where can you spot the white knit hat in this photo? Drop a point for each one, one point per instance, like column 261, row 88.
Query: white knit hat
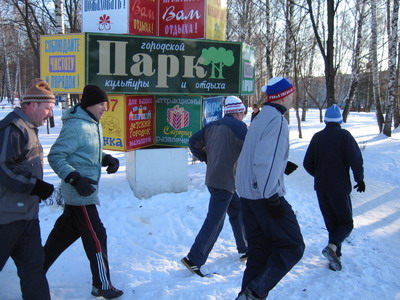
column 234, row 105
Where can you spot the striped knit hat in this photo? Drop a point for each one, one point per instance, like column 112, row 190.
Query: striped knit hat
column 234, row 105
column 277, row 88
column 39, row 91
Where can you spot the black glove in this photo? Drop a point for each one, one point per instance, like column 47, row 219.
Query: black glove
column 42, row 189
column 83, row 185
column 360, row 186
column 290, row 168
column 111, row 162
column 275, row 206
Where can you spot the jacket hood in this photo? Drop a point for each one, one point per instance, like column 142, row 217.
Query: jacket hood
column 77, row 112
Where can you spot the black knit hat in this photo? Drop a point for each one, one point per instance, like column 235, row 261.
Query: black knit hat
column 92, row 94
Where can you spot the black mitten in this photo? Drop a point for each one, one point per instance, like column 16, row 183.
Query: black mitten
column 42, row 189
column 360, row 186
column 83, row 185
column 111, row 162
column 275, row 206
column 290, row 168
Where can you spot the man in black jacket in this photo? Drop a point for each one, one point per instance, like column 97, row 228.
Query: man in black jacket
column 329, row 157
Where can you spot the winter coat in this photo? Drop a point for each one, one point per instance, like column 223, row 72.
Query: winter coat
column 329, row 157
column 219, row 144
column 21, row 164
column 78, row 148
column 263, row 159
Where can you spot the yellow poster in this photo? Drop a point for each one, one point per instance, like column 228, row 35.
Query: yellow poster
column 216, row 20
column 62, row 62
column 114, row 124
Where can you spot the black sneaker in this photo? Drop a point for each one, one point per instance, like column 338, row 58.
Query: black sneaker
column 107, row 294
column 334, row 261
column 247, row 294
column 243, row 256
column 191, row 266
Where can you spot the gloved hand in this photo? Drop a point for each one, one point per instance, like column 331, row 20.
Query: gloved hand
column 111, row 162
column 360, row 186
column 290, row 168
column 83, row 185
column 275, row 206
column 42, row 189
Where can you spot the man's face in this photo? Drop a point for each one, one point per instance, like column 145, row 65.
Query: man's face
column 240, row 116
column 288, row 101
column 39, row 112
column 98, row 110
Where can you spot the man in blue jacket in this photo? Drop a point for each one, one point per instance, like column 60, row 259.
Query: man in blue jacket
column 273, row 234
column 329, row 157
column 218, row 144
column 77, row 157
column 22, row 187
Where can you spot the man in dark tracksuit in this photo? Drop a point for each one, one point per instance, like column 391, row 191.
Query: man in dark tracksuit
column 22, row 187
column 329, row 157
column 219, row 144
column 273, row 234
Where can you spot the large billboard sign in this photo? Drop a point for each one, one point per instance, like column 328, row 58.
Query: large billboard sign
column 147, row 65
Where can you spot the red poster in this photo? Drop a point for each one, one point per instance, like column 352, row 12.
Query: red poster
column 182, row 19
column 143, row 17
column 140, row 121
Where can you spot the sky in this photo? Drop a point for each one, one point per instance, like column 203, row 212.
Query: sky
column 148, row 237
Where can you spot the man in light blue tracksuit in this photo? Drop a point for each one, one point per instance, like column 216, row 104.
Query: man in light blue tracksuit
column 219, row 144
column 273, row 234
column 77, row 157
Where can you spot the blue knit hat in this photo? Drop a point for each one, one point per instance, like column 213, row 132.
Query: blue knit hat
column 333, row 114
column 277, row 88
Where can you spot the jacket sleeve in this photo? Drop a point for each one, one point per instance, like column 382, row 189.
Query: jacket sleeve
column 197, row 145
column 66, row 144
column 12, row 174
column 309, row 161
column 354, row 157
column 269, row 158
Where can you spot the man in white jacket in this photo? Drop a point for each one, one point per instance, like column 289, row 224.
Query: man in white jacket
column 275, row 243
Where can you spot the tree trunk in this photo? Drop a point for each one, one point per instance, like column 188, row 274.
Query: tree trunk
column 268, row 40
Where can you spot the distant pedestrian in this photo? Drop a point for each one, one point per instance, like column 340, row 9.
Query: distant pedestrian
column 273, row 234
column 329, row 157
column 22, row 187
column 255, row 111
column 218, row 144
column 77, row 157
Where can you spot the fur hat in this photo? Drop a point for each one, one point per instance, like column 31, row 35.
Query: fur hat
column 92, row 94
column 333, row 114
column 39, row 91
column 277, row 88
column 234, row 105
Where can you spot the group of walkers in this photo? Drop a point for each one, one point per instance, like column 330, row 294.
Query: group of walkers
column 245, row 178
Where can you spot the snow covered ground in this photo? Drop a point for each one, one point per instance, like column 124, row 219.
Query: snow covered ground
column 147, row 238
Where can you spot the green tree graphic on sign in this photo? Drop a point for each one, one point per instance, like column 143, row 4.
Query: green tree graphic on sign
column 218, row 58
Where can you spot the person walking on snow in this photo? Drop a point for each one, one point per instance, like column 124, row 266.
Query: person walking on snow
column 218, row 144
column 77, row 157
column 273, row 233
column 22, row 187
column 329, row 157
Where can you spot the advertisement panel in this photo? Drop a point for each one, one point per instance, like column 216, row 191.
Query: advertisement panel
column 248, row 70
column 182, row 19
column 143, row 17
column 177, row 119
column 212, row 109
column 140, row 121
column 148, row 65
column 62, row 62
column 216, row 20
column 113, row 123
column 105, row 16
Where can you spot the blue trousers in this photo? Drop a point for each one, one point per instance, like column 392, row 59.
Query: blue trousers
column 21, row 241
column 337, row 211
column 222, row 202
column 275, row 245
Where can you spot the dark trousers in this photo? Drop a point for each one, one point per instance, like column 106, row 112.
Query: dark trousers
column 275, row 245
column 81, row 222
column 222, row 202
column 21, row 241
column 337, row 212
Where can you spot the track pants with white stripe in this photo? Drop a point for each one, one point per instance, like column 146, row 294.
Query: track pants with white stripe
column 81, row 222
